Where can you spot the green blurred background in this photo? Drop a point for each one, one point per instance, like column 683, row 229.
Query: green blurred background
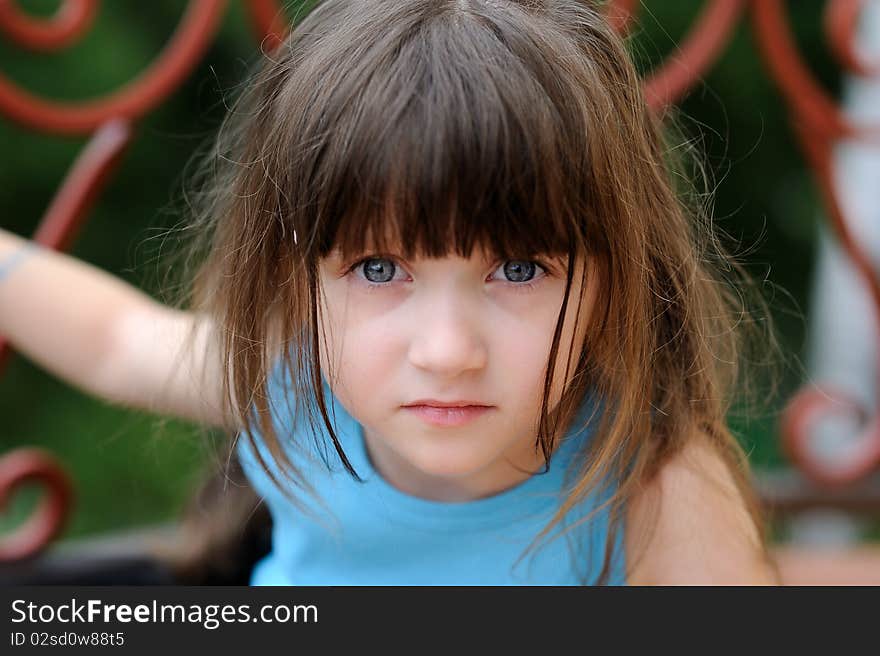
column 130, row 468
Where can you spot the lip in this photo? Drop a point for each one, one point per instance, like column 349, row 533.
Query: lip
column 448, row 416
column 446, row 404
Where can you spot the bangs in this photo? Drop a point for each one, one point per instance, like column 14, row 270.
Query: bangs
column 446, row 136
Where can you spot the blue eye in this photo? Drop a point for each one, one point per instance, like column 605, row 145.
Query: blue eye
column 378, row 271
column 520, row 274
column 519, row 270
column 380, row 268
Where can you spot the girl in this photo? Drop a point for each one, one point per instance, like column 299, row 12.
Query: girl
column 449, row 297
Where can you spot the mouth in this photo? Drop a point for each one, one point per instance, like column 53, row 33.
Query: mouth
column 436, row 403
column 448, row 416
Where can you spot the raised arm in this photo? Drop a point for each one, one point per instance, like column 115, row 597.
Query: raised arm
column 108, row 338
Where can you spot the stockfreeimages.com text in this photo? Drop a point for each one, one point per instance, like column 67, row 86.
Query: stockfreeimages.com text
column 210, row 616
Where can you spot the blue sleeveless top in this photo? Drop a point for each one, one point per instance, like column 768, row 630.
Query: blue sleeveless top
column 371, row 533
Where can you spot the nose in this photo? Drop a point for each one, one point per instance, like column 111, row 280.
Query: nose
column 447, row 337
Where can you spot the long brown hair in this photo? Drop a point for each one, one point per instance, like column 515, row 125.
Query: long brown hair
column 449, row 124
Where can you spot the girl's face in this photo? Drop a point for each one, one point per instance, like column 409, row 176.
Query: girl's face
column 449, row 329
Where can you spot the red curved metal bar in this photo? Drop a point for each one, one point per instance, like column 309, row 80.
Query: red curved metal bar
column 804, row 94
column 269, row 22
column 818, row 155
column 84, row 182
column 34, row 466
column 66, row 25
column 132, row 101
column 841, row 20
column 819, row 122
column 811, row 402
column 701, row 47
column 803, row 412
column 83, row 185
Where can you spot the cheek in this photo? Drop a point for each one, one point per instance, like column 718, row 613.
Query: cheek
column 521, row 338
column 521, row 346
column 359, row 353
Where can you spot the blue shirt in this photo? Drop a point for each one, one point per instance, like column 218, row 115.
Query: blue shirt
column 371, row 533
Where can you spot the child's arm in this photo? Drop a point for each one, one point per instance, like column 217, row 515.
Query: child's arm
column 104, row 336
column 702, row 533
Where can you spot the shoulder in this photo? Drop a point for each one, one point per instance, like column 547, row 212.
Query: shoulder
column 690, row 525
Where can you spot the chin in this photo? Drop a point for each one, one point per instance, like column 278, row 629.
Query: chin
column 448, row 462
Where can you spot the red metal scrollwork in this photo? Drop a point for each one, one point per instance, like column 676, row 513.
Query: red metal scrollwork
column 109, row 120
column 701, row 47
column 70, row 20
column 840, row 26
column 819, row 123
column 28, row 466
column 132, row 101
